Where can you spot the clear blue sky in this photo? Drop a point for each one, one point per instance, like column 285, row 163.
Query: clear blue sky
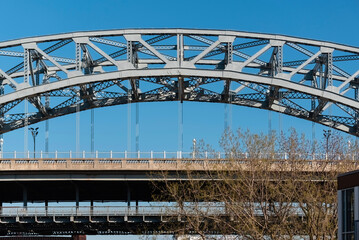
column 321, row 19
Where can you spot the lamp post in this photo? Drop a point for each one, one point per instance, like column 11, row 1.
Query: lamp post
column 34, row 132
column 327, row 134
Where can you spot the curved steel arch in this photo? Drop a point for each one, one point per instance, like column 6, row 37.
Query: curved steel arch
column 58, row 74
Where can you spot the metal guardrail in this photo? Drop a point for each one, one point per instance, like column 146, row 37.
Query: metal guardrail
column 151, row 162
column 86, row 211
column 171, row 155
column 105, row 211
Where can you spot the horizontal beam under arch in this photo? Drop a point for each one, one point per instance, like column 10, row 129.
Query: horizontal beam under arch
column 179, row 72
column 242, row 78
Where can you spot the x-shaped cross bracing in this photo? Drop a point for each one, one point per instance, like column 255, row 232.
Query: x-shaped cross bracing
column 60, row 74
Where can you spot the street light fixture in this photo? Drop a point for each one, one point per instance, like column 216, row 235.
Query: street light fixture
column 327, row 134
column 34, row 132
column 194, row 141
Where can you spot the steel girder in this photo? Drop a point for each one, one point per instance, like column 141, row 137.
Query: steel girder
column 61, row 74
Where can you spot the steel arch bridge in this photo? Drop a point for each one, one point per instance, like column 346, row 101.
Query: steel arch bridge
column 50, row 76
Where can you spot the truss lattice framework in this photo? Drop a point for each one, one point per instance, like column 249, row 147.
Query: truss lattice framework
column 50, row 76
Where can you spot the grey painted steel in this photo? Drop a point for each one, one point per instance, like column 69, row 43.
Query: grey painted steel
column 309, row 79
column 104, row 220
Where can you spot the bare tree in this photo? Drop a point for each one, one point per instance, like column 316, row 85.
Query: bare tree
column 269, row 186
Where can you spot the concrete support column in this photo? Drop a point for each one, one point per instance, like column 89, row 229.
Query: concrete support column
column 91, row 207
column 46, row 206
column 77, row 197
column 340, row 215
column 24, row 196
column 137, row 206
column 128, row 196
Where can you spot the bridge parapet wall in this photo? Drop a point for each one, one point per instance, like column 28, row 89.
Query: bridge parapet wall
column 145, row 164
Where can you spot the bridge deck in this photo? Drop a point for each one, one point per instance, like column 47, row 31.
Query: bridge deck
column 159, row 164
column 118, row 180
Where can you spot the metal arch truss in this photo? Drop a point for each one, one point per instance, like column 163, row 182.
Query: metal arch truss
column 60, row 74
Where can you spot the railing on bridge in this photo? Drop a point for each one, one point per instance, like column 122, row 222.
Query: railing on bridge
column 111, row 219
column 163, row 210
column 168, row 161
column 173, row 155
column 97, row 219
column 89, row 211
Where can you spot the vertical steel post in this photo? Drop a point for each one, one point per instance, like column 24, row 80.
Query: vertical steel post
column 225, row 116
column 1, row 119
column 137, row 127
column 180, row 126
column 279, row 58
column 26, row 110
column 92, row 131
column 25, row 126
column 47, row 137
column 280, row 122
column 180, row 49
column 313, row 137
column 78, row 128
column 313, row 105
column 227, row 94
column 47, row 106
column 130, row 58
column 180, row 56
column 330, row 68
column 129, row 132
column 78, row 56
column 78, row 68
column 269, row 123
column 330, row 76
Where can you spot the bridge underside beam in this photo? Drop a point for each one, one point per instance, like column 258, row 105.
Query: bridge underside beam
column 119, row 224
column 90, row 186
column 54, row 191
